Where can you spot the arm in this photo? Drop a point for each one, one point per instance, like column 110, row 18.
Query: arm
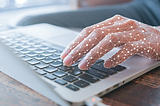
column 91, row 3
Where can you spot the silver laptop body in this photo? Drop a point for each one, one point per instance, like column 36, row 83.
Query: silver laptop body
column 52, row 36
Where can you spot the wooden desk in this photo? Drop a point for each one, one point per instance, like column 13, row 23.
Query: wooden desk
column 143, row 91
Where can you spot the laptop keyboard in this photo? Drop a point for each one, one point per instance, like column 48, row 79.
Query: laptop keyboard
column 46, row 61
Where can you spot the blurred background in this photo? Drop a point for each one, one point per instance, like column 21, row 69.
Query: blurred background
column 18, row 4
column 11, row 11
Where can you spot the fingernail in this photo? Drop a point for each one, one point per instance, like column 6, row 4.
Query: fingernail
column 67, row 60
column 64, row 54
column 83, row 65
column 108, row 64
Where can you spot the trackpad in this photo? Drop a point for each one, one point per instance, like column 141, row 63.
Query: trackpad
column 63, row 40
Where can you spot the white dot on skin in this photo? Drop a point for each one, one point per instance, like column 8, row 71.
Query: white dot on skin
column 131, row 26
column 86, row 44
column 117, row 28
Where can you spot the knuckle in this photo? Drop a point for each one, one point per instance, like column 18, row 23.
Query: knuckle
column 116, row 16
column 96, row 32
column 84, row 31
column 132, row 22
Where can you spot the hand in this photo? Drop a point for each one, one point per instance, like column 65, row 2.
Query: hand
column 95, row 41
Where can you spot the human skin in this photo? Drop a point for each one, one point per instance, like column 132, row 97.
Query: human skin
column 95, row 41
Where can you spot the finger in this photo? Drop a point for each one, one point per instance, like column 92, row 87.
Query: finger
column 127, row 51
column 84, row 47
column 88, row 31
column 109, row 42
column 93, row 39
column 82, row 35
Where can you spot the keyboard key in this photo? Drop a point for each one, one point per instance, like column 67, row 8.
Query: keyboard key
column 25, row 45
column 33, row 62
column 31, row 42
column 48, row 60
column 18, row 43
column 42, row 65
column 39, row 57
column 20, row 55
column 88, row 78
column 50, row 76
column 58, row 51
column 75, row 64
column 32, row 48
column 70, row 78
column 39, row 51
column 118, row 68
column 26, row 58
column 46, row 54
column 60, row 81
column 41, row 72
column 59, row 73
column 56, row 64
column 25, row 51
column 102, row 68
column 51, row 50
column 32, row 54
column 50, row 69
column 18, row 48
column 37, row 45
column 32, row 67
column 75, row 71
column 59, row 60
column 97, row 73
column 44, row 47
column 57, row 54
column 99, row 61
column 72, row 87
column 54, row 57
column 81, row 83
column 65, row 68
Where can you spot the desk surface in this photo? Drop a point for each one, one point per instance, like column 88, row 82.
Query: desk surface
column 143, row 91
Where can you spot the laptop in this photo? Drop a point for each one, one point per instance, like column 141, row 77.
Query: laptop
column 31, row 55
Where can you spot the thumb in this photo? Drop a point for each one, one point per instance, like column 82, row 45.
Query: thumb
column 127, row 51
